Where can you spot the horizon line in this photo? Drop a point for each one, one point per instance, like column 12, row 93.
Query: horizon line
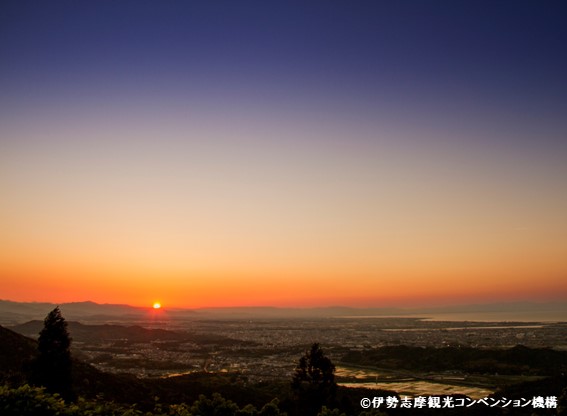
column 319, row 307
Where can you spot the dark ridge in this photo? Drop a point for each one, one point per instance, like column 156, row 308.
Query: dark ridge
column 513, row 361
column 16, row 351
column 82, row 332
column 108, row 332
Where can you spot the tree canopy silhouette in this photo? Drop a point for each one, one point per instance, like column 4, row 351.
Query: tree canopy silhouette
column 314, row 381
column 314, row 369
column 53, row 364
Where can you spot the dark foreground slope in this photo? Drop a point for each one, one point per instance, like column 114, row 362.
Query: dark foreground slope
column 17, row 353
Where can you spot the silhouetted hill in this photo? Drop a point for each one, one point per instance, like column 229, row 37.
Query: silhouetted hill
column 14, row 312
column 95, row 333
column 18, row 312
column 516, row 360
column 16, row 351
column 89, row 333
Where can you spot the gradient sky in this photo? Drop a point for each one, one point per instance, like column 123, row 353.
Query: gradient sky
column 233, row 153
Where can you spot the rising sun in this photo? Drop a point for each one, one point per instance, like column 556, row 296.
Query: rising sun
column 157, row 305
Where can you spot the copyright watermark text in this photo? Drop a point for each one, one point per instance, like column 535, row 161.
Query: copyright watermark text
column 446, row 402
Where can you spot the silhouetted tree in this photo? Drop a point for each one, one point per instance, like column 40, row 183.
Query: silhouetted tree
column 315, row 369
column 52, row 368
column 314, row 380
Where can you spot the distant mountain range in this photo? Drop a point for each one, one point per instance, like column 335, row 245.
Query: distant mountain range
column 13, row 313
column 19, row 312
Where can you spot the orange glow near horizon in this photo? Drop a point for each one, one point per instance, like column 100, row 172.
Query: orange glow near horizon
column 157, row 305
column 216, row 290
column 410, row 276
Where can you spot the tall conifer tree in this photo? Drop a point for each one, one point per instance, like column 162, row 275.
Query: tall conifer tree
column 53, row 365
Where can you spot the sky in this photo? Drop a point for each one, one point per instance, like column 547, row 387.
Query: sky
column 252, row 153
